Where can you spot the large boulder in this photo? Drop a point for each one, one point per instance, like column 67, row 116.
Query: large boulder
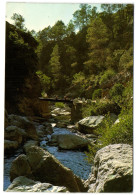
column 89, row 124
column 112, row 171
column 23, row 184
column 20, row 167
column 46, row 168
column 70, row 141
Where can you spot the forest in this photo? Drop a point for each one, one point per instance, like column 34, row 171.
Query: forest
column 89, row 59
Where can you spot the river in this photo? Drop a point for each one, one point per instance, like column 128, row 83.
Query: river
column 73, row 159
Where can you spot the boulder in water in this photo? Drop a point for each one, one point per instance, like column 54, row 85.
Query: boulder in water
column 23, row 184
column 46, row 168
column 89, row 124
column 70, row 141
column 20, row 167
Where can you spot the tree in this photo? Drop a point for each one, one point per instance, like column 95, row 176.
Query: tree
column 70, row 28
column 58, row 31
column 55, row 64
column 82, row 17
column 18, row 21
column 97, row 37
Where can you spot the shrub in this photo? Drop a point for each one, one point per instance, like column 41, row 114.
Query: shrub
column 97, row 94
column 100, row 108
column 59, row 104
column 106, row 76
column 110, row 133
column 116, row 93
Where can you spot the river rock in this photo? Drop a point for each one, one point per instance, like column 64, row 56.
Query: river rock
column 23, row 184
column 14, row 133
column 23, row 123
column 112, row 170
column 70, row 141
column 29, row 144
column 10, row 146
column 89, row 124
column 46, row 168
column 44, row 129
column 20, row 167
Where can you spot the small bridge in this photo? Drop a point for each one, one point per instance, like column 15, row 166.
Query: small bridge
column 56, row 100
column 76, row 108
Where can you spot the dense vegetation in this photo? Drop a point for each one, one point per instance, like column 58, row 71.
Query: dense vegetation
column 91, row 57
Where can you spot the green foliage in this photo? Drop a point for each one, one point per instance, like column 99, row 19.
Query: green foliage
column 44, row 80
column 116, row 93
column 100, row 108
column 60, row 105
column 18, row 21
column 126, row 60
column 108, row 74
column 121, row 132
column 113, row 133
column 78, row 78
column 97, row 94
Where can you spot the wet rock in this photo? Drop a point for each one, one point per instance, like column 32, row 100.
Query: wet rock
column 20, row 167
column 45, row 168
column 69, row 141
column 44, row 129
column 29, row 144
column 14, row 133
column 23, row 184
column 24, row 123
column 10, row 146
column 89, row 124
column 112, row 171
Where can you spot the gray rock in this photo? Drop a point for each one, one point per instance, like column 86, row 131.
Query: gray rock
column 112, row 171
column 23, row 184
column 45, row 168
column 70, row 141
column 20, row 167
column 89, row 124
column 14, row 133
column 24, row 123
column 29, row 144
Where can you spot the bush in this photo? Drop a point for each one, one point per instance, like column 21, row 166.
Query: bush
column 97, row 94
column 116, row 93
column 110, row 133
column 100, row 108
column 106, row 76
column 116, row 90
column 60, row 105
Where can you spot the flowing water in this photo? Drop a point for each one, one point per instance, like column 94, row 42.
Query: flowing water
column 73, row 159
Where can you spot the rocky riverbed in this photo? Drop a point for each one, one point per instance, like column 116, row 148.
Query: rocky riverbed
column 48, row 156
column 75, row 158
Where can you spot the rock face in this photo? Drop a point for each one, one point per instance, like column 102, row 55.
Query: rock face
column 89, row 124
column 45, row 168
column 69, row 141
column 112, row 171
column 23, row 184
